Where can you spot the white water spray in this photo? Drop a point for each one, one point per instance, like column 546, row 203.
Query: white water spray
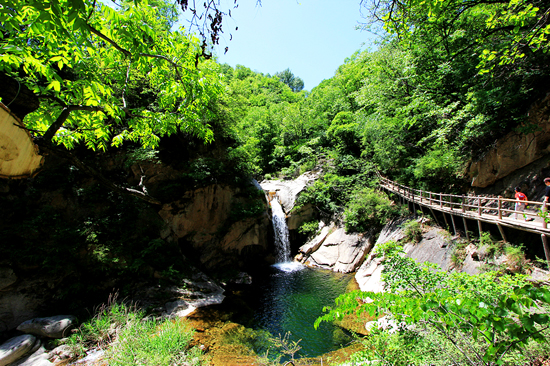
column 282, row 244
column 281, row 231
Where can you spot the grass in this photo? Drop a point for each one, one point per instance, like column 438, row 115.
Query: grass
column 128, row 338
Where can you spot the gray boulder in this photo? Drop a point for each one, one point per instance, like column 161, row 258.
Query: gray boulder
column 341, row 252
column 38, row 356
column 58, row 326
column 15, row 348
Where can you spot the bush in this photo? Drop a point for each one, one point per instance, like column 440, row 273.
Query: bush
column 412, row 231
column 368, row 209
column 309, row 228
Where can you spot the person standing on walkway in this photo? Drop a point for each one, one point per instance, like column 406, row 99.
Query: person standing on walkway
column 546, row 194
column 521, row 200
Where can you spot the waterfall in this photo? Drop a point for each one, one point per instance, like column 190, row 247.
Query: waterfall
column 281, row 231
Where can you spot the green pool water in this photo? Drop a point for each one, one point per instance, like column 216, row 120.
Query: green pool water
column 291, row 297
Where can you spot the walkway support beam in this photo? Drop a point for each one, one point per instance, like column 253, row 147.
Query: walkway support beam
column 546, row 248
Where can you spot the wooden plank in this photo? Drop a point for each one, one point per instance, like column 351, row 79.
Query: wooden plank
column 501, row 229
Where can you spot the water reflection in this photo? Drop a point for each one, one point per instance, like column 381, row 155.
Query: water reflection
column 292, row 298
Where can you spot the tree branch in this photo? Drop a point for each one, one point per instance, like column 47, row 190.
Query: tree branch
column 49, row 148
column 51, row 131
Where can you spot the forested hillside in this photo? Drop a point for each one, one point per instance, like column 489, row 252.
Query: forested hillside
column 151, row 145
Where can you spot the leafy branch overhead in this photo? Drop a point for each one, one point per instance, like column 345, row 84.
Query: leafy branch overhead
column 507, row 31
column 106, row 76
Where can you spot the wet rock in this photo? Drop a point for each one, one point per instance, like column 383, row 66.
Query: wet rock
column 58, row 326
column 175, row 306
column 288, row 190
column 15, row 348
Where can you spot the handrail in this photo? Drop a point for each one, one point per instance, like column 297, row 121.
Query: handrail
column 477, row 207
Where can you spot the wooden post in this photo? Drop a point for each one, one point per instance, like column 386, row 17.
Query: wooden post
column 544, row 209
column 435, row 217
column 463, row 208
column 501, row 229
column 479, row 206
column 431, row 199
column 546, row 248
column 420, row 196
column 500, row 208
column 466, row 228
column 446, row 222
column 454, row 225
column 441, row 200
column 479, row 227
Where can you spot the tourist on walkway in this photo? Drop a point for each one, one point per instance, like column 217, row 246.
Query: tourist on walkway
column 520, row 204
column 546, row 194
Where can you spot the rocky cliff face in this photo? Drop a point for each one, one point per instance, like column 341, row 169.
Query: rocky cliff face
column 67, row 241
column 515, row 150
column 202, row 223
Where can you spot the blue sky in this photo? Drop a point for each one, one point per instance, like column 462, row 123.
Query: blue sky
column 310, row 37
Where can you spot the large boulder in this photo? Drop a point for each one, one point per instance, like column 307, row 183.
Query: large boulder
column 288, row 190
column 38, row 356
column 436, row 246
column 15, row 348
column 339, row 252
column 58, row 326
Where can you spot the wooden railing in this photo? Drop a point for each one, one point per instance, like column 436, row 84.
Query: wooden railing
column 475, row 207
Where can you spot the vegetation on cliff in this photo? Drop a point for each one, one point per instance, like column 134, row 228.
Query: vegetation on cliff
column 447, row 80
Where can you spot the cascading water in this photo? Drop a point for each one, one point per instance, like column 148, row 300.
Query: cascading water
column 281, row 231
column 292, row 296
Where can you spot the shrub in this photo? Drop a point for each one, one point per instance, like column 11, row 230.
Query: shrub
column 412, row 231
column 368, row 209
column 309, row 228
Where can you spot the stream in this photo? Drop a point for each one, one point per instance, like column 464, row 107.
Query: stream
column 291, row 297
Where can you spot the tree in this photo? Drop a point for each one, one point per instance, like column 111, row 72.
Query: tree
column 294, row 83
column 509, row 31
column 105, row 77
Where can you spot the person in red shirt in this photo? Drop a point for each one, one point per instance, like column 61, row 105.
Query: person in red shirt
column 520, row 204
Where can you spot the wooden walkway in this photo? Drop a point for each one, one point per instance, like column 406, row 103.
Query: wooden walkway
column 492, row 210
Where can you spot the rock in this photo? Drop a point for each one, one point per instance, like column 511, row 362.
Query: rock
column 515, row 150
column 242, row 278
column 341, row 252
column 288, row 190
column 201, row 219
column 25, row 299
column 7, row 277
column 314, row 244
column 176, row 306
column 60, row 353
column 296, row 218
column 38, row 357
column 15, row 348
column 58, row 326
column 539, row 275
